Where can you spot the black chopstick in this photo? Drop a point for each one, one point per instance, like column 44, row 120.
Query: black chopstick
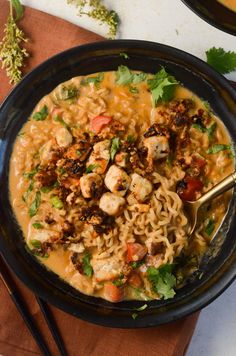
column 20, row 305
column 51, row 325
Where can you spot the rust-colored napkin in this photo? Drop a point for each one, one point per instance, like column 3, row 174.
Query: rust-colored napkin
column 48, row 36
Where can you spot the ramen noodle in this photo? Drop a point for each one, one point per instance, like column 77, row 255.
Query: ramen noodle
column 99, row 175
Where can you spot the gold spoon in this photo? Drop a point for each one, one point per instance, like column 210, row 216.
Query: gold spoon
column 192, row 207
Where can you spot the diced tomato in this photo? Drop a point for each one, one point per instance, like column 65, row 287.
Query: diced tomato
column 113, row 293
column 99, row 122
column 189, row 187
column 135, row 252
column 135, row 280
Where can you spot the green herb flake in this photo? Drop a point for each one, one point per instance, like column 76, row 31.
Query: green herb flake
column 123, row 76
column 200, row 128
column 61, row 121
column 35, row 204
column 78, row 152
column 36, row 243
column 143, row 307
column 222, row 61
column 37, row 225
column 46, row 189
column 56, row 202
column 94, row 80
column 20, row 134
column 87, row 268
column 115, row 145
column 61, row 170
column 41, row 115
column 162, row 280
column 130, row 139
column 139, row 77
column 211, row 130
column 119, row 281
column 28, row 191
column 133, row 90
column 91, row 168
column 136, row 264
column 169, row 160
column 134, row 315
column 124, row 55
column 207, row 106
column 68, row 92
column 210, row 226
column 162, row 87
column 218, row 148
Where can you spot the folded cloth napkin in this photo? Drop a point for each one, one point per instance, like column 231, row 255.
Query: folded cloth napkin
column 48, row 36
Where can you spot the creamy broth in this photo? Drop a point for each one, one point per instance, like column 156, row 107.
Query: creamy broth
column 112, row 250
column 230, row 4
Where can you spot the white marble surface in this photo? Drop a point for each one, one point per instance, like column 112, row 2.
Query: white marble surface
column 171, row 22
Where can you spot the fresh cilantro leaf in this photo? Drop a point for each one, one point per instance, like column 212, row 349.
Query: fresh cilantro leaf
column 134, row 315
column 78, row 152
column 162, row 86
column 169, row 160
column 68, row 92
column 222, row 61
column 162, row 280
column 207, row 106
column 119, row 281
column 211, row 130
column 115, row 145
column 31, row 174
column 61, row 121
column 91, row 167
column 130, row 139
column 37, row 225
column 124, row 55
column 46, row 189
column 209, row 228
column 27, row 193
column 35, row 204
column 136, row 264
column 139, row 77
column 41, row 115
column 123, row 76
column 217, row 148
column 56, row 202
column 95, row 80
column 36, row 243
column 199, row 127
column 87, row 268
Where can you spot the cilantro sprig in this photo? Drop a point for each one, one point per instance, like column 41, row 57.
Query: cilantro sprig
column 87, row 268
column 162, row 280
column 115, row 145
column 221, row 60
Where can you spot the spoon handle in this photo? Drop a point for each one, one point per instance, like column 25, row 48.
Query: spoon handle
column 218, row 189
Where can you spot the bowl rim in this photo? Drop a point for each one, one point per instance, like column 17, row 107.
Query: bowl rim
column 209, row 20
column 211, row 293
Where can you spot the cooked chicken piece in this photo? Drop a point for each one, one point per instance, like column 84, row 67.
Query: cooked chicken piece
column 100, row 156
column 91, row 185
column 107, row 269
column 140, row 188
column 63, row 137
column 48, row 153
column 44, row 235
column 117, row 180
column 157, row 146
column 111, row 203
column 121, row 159
column 78, row 247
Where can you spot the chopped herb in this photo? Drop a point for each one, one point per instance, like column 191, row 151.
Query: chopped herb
column 130, row 139
column 134, row 316
column 31, row 174
column 35, row 204
column 162, row 280
column 37, row 225
column 124, row 55
column 136, row 264
column 217, row 148
column 207, row 105
column 209, row 228
column 119, row 281
column 91, row 167
column 61, row 121
column 115, row 145
column 222, row 61
column 169, row 160
column 162, row 86
column 211, row 130
column 68, row 93
column 56, row 202
column 78, row 152
column 46, row 189
column 41, row 115
column 133, row 90
column 36, row 243
column 87, row 268
column 95, row 80
column 20, row 134
column 124, row 76
column 199, row 127
column 143, row 307
column 27, row 193
column 61, row 170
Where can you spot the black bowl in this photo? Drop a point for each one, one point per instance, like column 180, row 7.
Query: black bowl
column 214, row 13
column 218, row 267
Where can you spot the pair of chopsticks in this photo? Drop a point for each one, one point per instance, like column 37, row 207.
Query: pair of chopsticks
column 28, row 319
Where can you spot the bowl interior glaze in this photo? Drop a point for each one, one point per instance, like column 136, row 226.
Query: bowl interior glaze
column 218, row 267
column 215, row 14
